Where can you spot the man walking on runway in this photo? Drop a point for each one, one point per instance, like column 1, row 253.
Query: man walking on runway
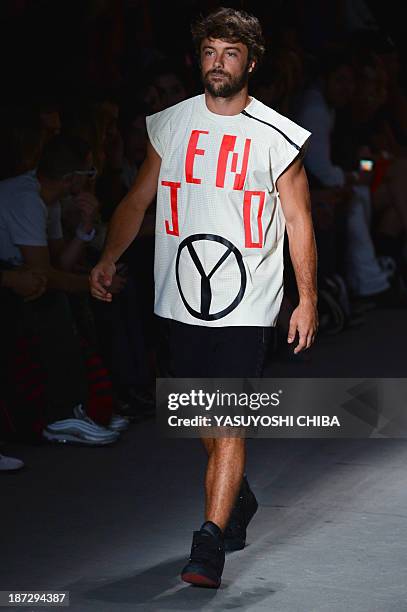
column 229, row 179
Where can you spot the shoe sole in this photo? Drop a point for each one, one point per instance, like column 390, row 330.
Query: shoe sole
column 67, row 438
column 81, row 429
column 200, row 580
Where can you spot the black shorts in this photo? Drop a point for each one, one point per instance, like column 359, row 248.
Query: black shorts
column 196, row 351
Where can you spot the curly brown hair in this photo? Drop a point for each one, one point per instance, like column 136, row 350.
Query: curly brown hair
column 231, row 25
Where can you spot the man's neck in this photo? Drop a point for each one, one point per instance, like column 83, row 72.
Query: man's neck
column 228, row 106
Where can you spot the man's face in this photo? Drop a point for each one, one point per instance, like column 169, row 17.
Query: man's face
column 75, row 183
column 224, row 67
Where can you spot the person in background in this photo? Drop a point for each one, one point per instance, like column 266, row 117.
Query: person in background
column 31, row 235
column 14, row 284
column 317, row 108
column 366, row 129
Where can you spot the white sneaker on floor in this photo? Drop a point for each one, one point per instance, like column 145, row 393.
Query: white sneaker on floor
column 79, row 430
column 8, row 464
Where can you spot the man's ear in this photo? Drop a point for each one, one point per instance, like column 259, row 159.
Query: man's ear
column 252, row 66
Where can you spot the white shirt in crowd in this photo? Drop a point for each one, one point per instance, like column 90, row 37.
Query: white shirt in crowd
column 315, row 115
column 219, row 222
column 24, row 217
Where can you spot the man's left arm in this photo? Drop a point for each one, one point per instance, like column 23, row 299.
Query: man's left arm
column 66, row 254
column 295, row 199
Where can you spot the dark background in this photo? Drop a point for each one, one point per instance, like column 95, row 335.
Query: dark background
column 69, row 48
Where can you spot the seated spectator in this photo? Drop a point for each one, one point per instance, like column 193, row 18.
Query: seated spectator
column 97, row 124
column 125, row 327
column 31, row 235
column 317, row 111
column 366, row 129
column 30, row 214
column 118, row 331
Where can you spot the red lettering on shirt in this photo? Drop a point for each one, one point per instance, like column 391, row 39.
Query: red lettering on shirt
column 227, row 146
column 190, row 157
column 174, row 231
column 247, row 205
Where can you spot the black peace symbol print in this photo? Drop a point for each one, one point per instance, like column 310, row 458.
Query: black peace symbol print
column 206, row 290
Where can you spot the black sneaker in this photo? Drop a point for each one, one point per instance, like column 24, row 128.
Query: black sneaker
column 205, row 565
column 243, row 511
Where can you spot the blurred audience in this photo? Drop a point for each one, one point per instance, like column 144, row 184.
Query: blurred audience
column 77, row 370
column 31, row 236
column 347, row 190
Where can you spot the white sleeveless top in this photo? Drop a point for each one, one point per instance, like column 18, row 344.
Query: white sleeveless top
column 219, row 224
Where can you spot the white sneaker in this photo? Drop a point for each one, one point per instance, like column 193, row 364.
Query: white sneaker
column 79, row 430
column 8, row 464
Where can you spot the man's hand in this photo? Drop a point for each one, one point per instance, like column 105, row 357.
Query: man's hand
column 304, row 319
column 89, row 206
column 27, row 284
column 101, row 279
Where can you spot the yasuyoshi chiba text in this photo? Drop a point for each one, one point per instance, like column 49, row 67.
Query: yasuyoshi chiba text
column 275, row 420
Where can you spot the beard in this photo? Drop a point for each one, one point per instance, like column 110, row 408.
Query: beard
column 229, row 86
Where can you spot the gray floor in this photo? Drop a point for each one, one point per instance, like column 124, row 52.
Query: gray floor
column 113, row 525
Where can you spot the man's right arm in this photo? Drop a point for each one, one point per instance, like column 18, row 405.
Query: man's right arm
column 125, row 223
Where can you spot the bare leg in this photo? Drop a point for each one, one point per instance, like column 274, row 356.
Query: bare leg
column 208, row 444
column 224, row 474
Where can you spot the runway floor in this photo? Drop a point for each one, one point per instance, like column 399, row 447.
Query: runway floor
column 113, row 525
